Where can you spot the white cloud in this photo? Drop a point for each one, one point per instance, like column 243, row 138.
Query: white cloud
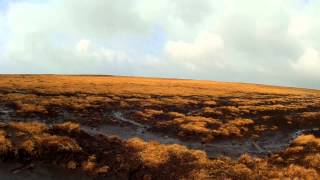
column 99, row 18
column 83, row 45
column 309, row 63
column 300, row 26
column 206, row 44
column 46, row 37
column 263, row 41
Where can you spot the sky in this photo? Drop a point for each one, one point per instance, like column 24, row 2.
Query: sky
column 267, row 41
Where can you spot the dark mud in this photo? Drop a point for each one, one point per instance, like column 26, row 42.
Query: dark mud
column 6, row 113
column 267, row 143
column 313, row 131
column 125, row 128
column 14, row 171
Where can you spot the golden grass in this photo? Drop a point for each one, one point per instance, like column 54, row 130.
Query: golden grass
column 137, row 159
column 305, row 139
column 233, row 109
column 5, row 144
column 194, row 110
column 134, row 85
column 32, row 127
column 68, row 126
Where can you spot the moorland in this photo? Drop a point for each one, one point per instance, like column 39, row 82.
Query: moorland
column 109, row 127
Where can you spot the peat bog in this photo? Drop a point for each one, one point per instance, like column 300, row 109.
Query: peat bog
column 143, row 128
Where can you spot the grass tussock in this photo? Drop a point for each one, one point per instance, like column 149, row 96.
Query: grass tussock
column 190, row 110
column 160, row 103
column 136, row 159
column 5, row 143
column 306, row 139
column 32, row 127
column 68, row 127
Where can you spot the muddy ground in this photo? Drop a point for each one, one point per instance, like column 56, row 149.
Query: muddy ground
column 261, row 122
column 125, row 128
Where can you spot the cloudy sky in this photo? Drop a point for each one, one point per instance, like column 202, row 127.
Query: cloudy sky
column 260, row 41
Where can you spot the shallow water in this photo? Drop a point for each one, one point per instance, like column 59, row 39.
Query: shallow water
column 119, row 116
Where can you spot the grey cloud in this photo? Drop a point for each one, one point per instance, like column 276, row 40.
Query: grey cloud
column 254, row 41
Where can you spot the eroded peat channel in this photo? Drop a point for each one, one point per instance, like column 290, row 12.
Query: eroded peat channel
column 127, row 128
column 266, row 144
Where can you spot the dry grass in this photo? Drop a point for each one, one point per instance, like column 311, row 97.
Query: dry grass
column 305, row 139
column 5, row 144
column 194, row 110
column 68, row 126
column 32, row 127
column 164, row 104
column 241, row 122
column 129, row 85
column 137, row 159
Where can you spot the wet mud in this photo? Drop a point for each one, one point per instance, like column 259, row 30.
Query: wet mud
column 266, row 144
column 15, row 171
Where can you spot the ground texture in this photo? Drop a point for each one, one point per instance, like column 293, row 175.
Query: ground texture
column 141, row 128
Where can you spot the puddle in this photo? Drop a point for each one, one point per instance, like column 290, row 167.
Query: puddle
column 194, row 112
column 119, row 116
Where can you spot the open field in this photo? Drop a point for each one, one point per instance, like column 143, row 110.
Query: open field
column 142, row 128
